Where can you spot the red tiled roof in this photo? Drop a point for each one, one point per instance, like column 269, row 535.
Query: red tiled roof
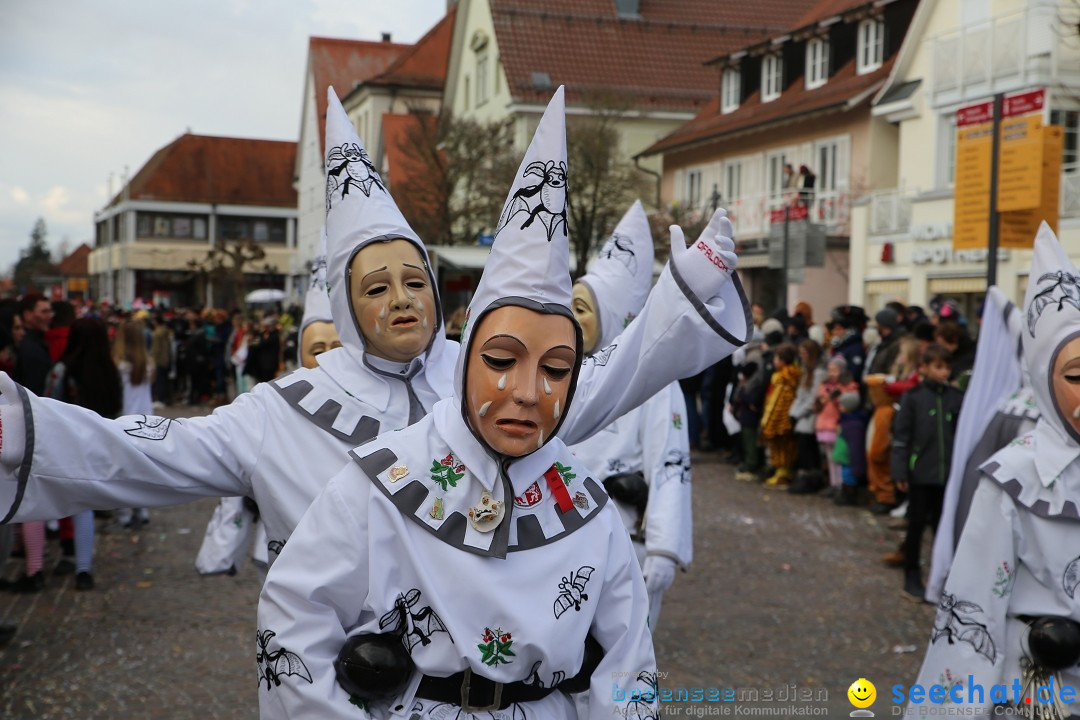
column 77, row 262
column 656, row 62
column 424, row 65
column 344, row 64
column 825, row 9
column 201, row 168
column 795, row 101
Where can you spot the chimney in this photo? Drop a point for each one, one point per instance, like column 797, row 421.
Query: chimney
column 386, row 37
column 628, row 9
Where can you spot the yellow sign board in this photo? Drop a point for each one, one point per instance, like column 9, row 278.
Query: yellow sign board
column 1020, row 164
column 1018, row 228
column 971, row 206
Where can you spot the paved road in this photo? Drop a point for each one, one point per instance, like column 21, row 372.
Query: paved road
column 785, row 591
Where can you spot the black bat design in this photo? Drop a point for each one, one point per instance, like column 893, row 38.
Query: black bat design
column 620, row 248
column 677, row 465
column 414, row 627
column 954, row 623
column 602, row 356
column 360, row 172
column 644, row 708
column 274, row 664
column 572, row 590
column 276, row 546
column 553, row 201
column 1066, row 289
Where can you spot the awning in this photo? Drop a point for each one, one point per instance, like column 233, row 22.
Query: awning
column 749, row 262
column 887, row 287
column 957, row 285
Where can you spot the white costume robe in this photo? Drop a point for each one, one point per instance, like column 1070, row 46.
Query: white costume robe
column 281, row 442
column 652, row 440
column 513, row 604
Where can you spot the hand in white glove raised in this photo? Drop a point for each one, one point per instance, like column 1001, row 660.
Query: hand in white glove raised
column 659, row 572
column 707, row 264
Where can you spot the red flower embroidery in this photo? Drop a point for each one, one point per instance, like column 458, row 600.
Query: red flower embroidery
column 488, row 635
column 448, row 460
column 505, row 637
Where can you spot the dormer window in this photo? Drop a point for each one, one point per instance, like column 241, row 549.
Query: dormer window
column 817, row 62
column 871, row 52
column 731, row 90
column 772, row 74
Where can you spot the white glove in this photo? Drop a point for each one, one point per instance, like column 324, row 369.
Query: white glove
column 659, row 572
column 707, row 264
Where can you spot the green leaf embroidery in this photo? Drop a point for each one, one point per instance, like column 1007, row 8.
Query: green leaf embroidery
column 564, row 472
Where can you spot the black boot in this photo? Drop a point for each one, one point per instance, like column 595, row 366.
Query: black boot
column 848, row 495
column 801, row 485
column 914, row 590
column 29, row 584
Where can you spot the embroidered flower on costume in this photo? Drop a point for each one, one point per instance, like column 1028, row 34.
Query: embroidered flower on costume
column 1004, row 581
column 446, row 472
column 676, row 421
column 495, row 647
column 565, row 472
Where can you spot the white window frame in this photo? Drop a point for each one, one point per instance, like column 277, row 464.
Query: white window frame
column 731, row 90
column 817, row 62
column 871, row 46
column 772, row 77
column 733, row 176
column 774, row 171
column 482, row 88
column 693, row 188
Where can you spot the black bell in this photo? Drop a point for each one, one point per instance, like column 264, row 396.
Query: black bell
column 373, row 666
column 1054, row 642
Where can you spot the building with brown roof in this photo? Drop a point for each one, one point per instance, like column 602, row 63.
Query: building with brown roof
column 342, row 64
column 645, row 57
column 194, row 192
column 791, row 128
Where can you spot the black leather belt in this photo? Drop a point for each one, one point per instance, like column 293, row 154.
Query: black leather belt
column 476, row 693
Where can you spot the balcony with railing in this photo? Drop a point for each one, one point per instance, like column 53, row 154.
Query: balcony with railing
column 752, row 215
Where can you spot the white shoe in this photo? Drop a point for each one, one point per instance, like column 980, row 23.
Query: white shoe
column 899, row 511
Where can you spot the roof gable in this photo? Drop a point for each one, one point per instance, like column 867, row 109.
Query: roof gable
column 423, row 66
column 76, row 263
column 344, row 64
column 207, row 169
column 655, row 62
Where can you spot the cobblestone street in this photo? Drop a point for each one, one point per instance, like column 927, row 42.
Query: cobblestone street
column 785, row 590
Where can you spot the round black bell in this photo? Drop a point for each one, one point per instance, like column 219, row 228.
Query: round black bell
column 373, row 666
column 1054, row 642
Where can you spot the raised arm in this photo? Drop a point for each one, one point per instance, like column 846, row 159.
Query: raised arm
column 58, row 459
column 696, row 315
column 307, row 607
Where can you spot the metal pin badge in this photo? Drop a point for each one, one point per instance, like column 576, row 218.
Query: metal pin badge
column 397, row 472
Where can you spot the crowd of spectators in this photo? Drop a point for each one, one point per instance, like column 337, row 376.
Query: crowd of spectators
column 857, row 409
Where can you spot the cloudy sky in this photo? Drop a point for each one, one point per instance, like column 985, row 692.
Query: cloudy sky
column 87, row 88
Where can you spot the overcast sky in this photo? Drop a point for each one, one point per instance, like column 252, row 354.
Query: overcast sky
column 87, row 88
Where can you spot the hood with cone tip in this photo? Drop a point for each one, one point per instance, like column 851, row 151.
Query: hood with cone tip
column 621, row 275
column 1051, row 320
column 316, row 300
column 529, row 264
column 359, row 212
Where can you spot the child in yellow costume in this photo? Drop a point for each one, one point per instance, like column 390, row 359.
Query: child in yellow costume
column 777, row 428
column 879, row 445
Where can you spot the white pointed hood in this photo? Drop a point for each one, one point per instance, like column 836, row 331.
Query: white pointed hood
column 359, row 211
column 620, row 277
column 317, row 300
column 1051, row 319
column 529, row 264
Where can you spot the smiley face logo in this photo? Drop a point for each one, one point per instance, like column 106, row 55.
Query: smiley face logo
column 862, row 693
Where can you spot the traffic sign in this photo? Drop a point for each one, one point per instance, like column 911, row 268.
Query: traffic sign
column 1018, row 228
column 1020, row 164
column 971, row 199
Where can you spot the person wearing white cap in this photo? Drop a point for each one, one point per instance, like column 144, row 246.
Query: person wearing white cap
column 643, row 458
column 317, row 331
column 280, row 443
column 472, row 547
column 1008, row 617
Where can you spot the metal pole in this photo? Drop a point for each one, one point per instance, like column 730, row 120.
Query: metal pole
column 785, row 279
column 992, row 241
